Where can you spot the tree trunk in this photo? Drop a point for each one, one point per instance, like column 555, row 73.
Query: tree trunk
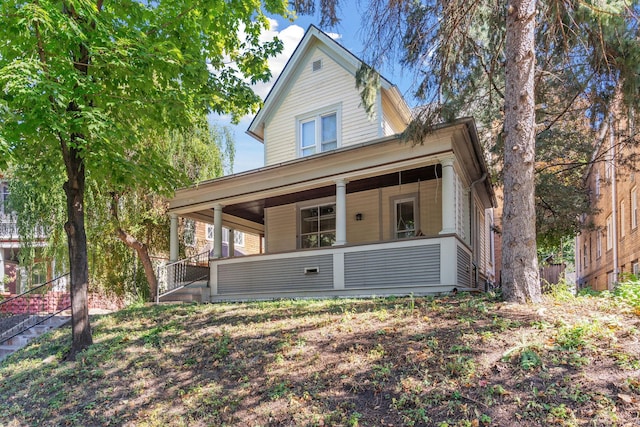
column 520, row 275
column 140, row 248
column 77, row 239
column 143, row 254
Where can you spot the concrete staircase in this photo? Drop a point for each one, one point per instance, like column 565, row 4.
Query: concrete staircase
column 19, row 341
column 194, row 292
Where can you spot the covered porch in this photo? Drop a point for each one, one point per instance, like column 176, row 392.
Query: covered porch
column 380, row 218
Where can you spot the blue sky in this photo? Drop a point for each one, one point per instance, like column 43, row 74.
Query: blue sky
column 249, row 152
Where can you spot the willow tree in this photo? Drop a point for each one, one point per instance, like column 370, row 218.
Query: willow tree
column 537, row 75
column 85, row 82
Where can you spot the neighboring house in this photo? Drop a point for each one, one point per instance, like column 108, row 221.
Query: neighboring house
column 199, row 237
column 14, row 277
column 609, row 245
column 343, row 205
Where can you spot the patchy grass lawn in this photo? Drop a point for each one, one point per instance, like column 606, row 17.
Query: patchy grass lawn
column 448, row 361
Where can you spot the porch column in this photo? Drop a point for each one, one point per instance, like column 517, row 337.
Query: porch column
column 173, row 237
column 232, row 243
column 448, row 197
column 217, row 231
column 341, row 212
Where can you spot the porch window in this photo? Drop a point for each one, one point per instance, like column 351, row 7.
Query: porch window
column 238, row 236
column 318, row 226
column 189, row 232
column 318, row 132
column 405, row 218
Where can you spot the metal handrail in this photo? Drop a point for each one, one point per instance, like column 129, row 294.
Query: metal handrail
column 16, row 323
column 181, row 273
column 33, row 289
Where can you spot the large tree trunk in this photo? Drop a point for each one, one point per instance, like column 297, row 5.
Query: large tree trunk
column 77, row 239
column 520, row 275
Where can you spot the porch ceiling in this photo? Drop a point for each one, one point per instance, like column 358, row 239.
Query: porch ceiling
column 254, row 210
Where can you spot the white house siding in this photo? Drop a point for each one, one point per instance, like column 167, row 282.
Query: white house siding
column 391, row 122
column 280, row 232
column 311, row 91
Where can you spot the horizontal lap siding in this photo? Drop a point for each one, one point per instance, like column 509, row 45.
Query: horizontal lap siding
column 419, row 265
column 279, row 275
column 310, row 91
column 464, row 267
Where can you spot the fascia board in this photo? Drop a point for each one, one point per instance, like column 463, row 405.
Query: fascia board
column 357, row 162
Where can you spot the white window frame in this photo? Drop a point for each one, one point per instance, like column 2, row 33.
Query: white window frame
column 598, row 245
column 316, row 117
column 4, row 197
column 317, row 204
column 238, row 236
column 623, row 218
column 609, row 232
column 634, row 208
column 189, row 233
column 395, row 201
column 635, row 268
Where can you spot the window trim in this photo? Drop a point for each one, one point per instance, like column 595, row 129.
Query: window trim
column 238, row 236
column 393, row 203
column 623, row 219
column 609, row 232
column 634, row 208
column 189, row 230
column 316, row 116
column 327, row 201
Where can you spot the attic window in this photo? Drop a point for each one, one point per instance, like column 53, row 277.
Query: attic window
column 316, row 65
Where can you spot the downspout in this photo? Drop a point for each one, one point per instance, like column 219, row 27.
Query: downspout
column 474, row 230
column 614, row 204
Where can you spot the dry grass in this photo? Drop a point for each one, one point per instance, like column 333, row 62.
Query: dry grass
column 449, row 361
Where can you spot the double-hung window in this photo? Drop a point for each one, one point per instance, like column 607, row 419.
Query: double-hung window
column 318, row 226
column 319, row 132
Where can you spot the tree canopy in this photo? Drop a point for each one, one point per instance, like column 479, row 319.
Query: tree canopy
column 87, row 86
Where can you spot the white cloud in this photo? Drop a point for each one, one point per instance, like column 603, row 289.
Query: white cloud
column 290, row 37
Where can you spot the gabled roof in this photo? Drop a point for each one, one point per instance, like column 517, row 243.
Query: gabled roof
column 343, row 57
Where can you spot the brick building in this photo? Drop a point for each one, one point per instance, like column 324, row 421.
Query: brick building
column 609, row 245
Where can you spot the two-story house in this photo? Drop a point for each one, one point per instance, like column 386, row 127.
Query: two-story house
column 343, row 205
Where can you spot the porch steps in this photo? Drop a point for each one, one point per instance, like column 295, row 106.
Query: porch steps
column 194, row 292
column 19, row 341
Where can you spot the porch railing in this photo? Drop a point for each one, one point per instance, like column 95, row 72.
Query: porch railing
column 181, row 273
column 33, row 307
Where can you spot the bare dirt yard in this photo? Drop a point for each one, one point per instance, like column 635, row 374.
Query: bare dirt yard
column 459, row 360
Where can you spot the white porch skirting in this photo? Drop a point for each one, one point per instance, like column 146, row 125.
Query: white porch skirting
column 414, row 266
